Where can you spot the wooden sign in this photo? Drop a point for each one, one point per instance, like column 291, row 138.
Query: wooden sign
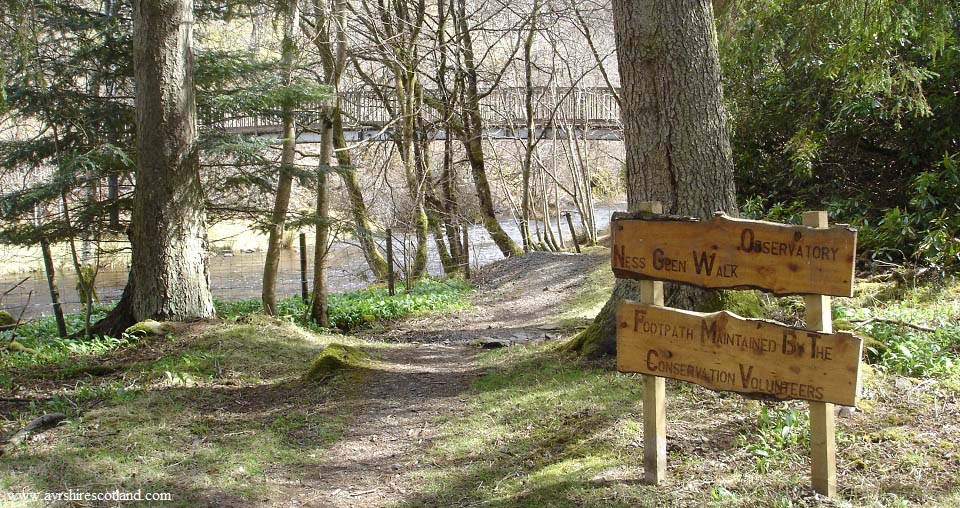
column 723, row 351
column 724, row 252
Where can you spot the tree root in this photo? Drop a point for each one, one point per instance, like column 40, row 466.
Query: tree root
column 36, row 426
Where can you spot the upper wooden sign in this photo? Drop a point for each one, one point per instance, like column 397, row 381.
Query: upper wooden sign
column 723, row 351
column 724, row 252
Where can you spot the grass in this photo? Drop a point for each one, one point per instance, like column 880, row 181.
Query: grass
column 589, row 298
column 544, row 429
column 217, row 415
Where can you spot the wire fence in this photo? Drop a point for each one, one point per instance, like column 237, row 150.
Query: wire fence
column 233, row 276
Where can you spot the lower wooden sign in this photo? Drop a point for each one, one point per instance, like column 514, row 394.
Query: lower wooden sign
column 723, row 351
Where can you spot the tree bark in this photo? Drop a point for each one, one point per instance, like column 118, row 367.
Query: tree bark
column 319, row 311
column 52, row 285
column 330, row 39
column 675, row 129
column 471, row 135
column 278, row 217
column 169, row 279
column 358, row 209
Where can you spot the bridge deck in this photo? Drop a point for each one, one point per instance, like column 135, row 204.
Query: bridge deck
column 592, row 113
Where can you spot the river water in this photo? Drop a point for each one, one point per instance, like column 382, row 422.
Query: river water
column 237, row 276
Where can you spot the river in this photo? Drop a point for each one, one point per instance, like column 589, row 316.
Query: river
column 237, row 276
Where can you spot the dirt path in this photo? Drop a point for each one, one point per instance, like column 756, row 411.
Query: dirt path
column 393, row 426
column 425, row 376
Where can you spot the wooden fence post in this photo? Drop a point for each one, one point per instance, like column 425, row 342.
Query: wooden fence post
column 573, row 232
column 304, row 289
column 654, row 387
column 823, row 452
column 390, row 288
column 466, row 251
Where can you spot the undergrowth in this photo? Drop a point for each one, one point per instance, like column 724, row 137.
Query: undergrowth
column 355, row 309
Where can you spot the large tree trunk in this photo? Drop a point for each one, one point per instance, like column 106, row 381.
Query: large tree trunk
column 168, row 273
column 675, row 129
column 278, row 217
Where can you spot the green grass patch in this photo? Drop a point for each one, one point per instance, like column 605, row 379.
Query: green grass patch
column 217, row 417
column 40, row 335
column 356, row 309
column 542, row 428
column 589, row 298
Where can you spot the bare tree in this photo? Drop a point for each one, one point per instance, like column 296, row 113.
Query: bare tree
column 288, row 133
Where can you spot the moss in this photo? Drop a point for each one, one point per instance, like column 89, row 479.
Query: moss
column 749, row 304
column 89, row 275
column 6, row 319
column 336, row 359
column 147, row 327
column 17, row 347
column 875, row 348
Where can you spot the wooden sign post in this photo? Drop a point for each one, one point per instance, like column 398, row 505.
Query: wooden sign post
column 823, row 443
column 654, row 391
column 723, row 351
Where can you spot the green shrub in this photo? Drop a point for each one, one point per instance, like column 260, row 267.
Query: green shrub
column 928, row 230
column 779, row 434
column 912, row 352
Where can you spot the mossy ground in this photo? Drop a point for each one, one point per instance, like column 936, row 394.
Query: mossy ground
column 214, row 414
column 334, row 360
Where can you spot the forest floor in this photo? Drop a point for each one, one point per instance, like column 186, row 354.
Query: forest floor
column 219, row 414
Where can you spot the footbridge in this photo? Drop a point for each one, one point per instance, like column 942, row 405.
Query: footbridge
column 586, row 113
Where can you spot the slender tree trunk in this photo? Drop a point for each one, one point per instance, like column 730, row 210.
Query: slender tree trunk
column 472, row 138
column 278, row 217
column 404, row 89
column 358, row 209
column 432, row 206
column 52, row 285
column 169, row 279
column 330, row 39
column 529, row 146
column 452, row 222
column 319, row 311
column 675, row 129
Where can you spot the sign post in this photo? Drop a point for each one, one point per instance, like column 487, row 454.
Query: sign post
column 723, row 351
column 823, row 445
column 654, row 390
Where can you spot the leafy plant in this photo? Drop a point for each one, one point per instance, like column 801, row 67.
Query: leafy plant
column 355, row 309
column 915, row 353
column 779, row 432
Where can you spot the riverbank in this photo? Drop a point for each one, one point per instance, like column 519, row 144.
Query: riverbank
column 219, row 414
